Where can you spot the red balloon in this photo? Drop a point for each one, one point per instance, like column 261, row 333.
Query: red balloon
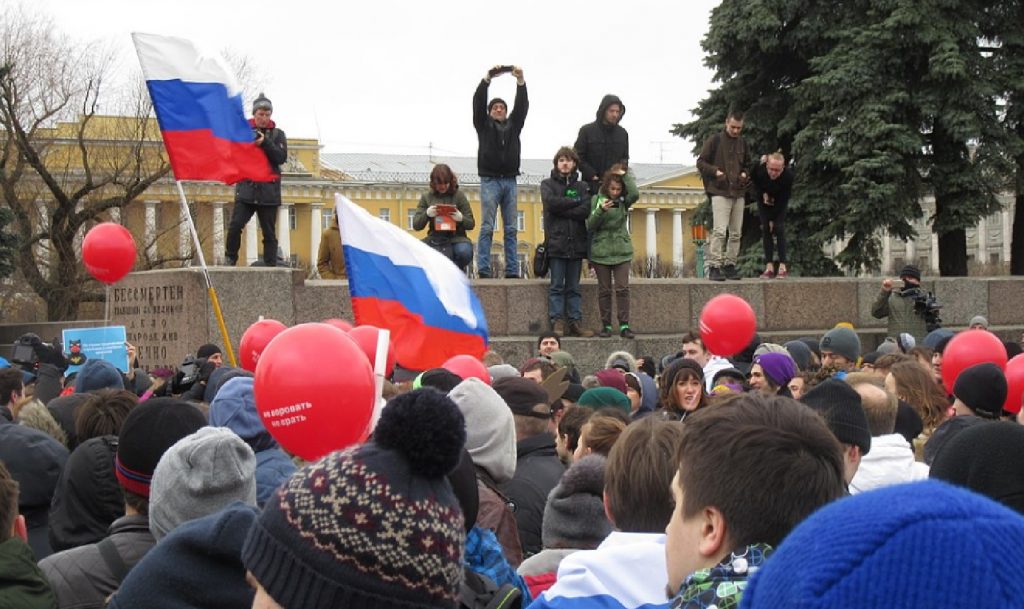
column 108, row 252
column 466, row 366
column 366, row 338
column 314, row 390
column 727, row 324
column 967, row 349
column 255, row 341
column 1014, row 384
column 340, row 324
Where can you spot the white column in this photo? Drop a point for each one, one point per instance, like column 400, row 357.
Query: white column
column 80, row 235
column 935, row 253
column 218, row 232
column 677, row 242
column 251, row 243
column 886, row 253
column 1007, row 236
column 911, row 251
column 42, row 247
column 315, row 233
column 982, row 241
column 652, row 233
column 284, row 234
column 184, row 239
column 149, row 229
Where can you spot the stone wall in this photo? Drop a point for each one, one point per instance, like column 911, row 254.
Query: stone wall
column 168, row 313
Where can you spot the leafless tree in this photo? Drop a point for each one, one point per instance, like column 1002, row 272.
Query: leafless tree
column 64, row 164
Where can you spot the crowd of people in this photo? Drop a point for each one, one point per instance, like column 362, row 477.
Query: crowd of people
column 685, row 479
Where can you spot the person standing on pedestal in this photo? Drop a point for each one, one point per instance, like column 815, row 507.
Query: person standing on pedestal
column 604, row 142
column 723, row 164
column 773, row 185
column 260, row 198
column 497, row 161
column 566, row 201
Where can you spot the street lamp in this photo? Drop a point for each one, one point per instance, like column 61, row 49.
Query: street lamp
column 699, row 233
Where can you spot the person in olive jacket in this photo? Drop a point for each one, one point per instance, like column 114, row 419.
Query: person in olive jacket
column 566, row 203
column 611, row 249
column 446, row 225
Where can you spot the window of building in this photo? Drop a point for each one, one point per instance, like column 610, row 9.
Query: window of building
column 384, row 214
column 408, row 218
column 520, row 221
column 293, row 220
column 325, row 219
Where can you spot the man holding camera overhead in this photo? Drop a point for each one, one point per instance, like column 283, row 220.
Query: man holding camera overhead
column 260, row 198
column 910, row 308
column 497, row 162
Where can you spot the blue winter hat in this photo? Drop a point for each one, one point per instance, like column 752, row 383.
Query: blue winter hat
column 234, row 407
column 98, row 374
column 921, row 545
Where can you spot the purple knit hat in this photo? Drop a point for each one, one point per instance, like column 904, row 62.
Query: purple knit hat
column 779, row 367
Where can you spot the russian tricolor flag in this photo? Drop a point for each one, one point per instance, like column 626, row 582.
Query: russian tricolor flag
column 198, row 105
column 400, row 283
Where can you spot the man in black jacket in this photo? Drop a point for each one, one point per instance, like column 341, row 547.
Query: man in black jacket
column 260, row 198
column 538, row 468
column 497, row 162
column 604, row 142
column 773, row 185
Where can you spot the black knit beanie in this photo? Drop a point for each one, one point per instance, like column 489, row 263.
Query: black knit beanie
column 375, row 525
column 982, row 388
column 149, row 430
column 987, row 458
column 840, row 406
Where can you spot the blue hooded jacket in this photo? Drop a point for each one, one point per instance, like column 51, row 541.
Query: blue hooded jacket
column 235, row 408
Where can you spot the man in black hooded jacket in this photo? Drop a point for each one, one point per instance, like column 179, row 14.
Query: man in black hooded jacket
column 604, row 142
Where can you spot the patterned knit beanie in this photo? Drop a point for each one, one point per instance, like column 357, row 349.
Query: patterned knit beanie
column 375, row 525
column 923, row 545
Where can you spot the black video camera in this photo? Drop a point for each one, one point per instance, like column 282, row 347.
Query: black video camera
column 189, row 371
column 24, row 352
column 927, row 306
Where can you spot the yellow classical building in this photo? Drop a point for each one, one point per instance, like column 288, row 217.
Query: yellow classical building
column 388, row 186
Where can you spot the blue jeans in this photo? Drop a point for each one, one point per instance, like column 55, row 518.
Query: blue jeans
column 564, row 291
column 495, row 192
column 462, row 254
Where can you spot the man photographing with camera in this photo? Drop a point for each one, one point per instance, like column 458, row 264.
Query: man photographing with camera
column 497, row 163
column 260, row 198
column 910, row 308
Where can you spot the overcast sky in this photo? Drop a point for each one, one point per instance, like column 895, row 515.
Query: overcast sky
column 398, row 76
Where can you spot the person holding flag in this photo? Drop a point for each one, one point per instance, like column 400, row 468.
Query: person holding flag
column 260, row 198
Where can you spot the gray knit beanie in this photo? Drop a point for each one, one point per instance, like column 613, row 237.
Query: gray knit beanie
column 842, row 341
column 574, row 517
column 199, row 475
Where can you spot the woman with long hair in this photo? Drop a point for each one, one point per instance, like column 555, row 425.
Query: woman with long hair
column 681, row 391
column 910, row 382
column 611, row 249
column 445, row 212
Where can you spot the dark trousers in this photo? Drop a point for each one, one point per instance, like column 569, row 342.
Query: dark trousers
column 267, row 215
column 776, row 215
column 605, row 275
